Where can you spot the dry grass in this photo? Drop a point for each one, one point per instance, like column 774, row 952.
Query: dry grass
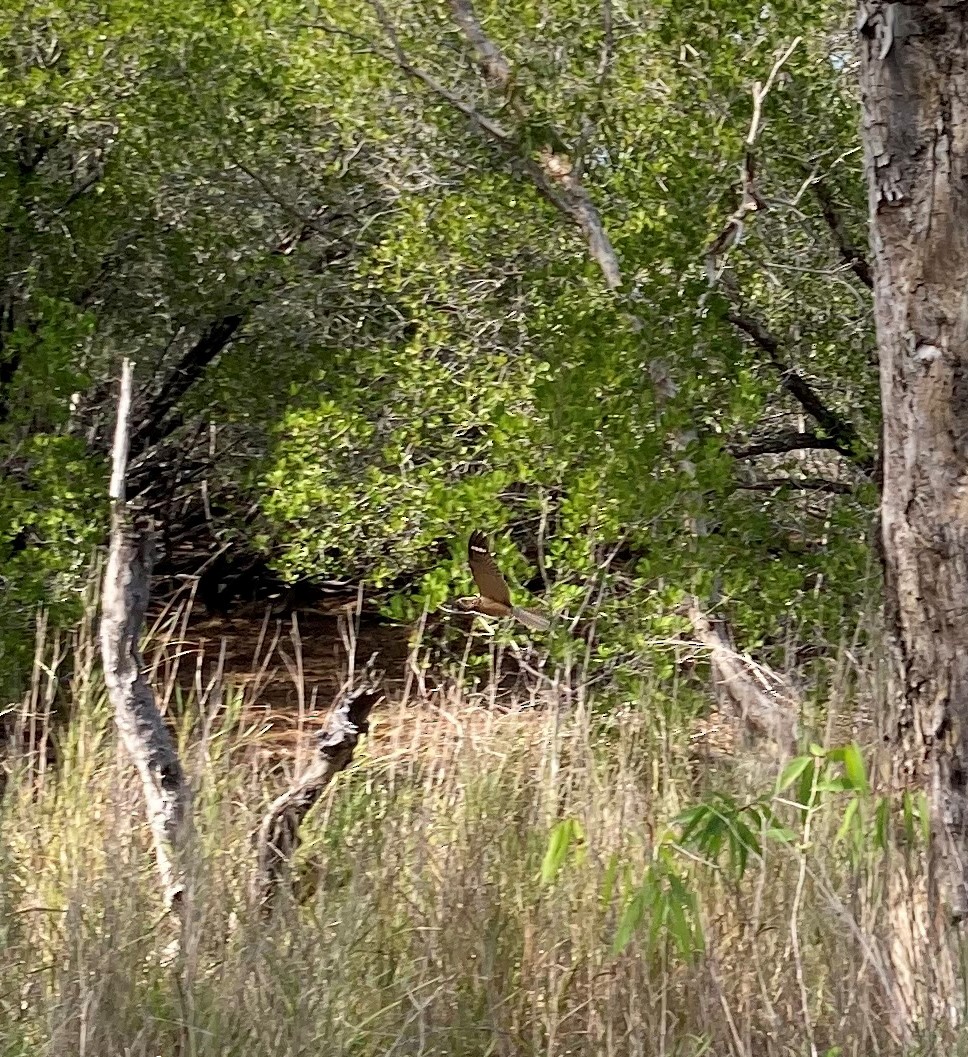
column 421, row 923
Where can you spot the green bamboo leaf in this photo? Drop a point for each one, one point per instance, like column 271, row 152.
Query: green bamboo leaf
column 632, row 916
column 853, row 763
column 559, row 841
column 793, row 770
column 850, row 813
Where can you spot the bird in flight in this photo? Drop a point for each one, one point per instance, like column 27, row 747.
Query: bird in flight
column 494, row 599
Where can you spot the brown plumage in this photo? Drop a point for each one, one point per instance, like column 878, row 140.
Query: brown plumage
column 488, row 577
column 494, row 599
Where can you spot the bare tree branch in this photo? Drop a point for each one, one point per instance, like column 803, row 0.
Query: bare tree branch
column 803, row 484
column 160, row 419
column 839, row 429
column 193, row 364
column 278, row 836
column 850, row 254
column 783, row 443
column 143, row 733
column 552, row 172
column 490, row 58
column 731, row 234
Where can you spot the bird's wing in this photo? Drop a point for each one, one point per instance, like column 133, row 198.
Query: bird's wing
column 530, row 619
column 484, row 569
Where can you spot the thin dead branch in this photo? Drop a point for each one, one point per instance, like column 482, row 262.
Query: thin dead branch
column 731, row 234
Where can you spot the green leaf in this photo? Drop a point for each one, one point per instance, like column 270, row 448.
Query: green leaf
column 853, row 763
column 850, row 812
column 793, row 770
column 632, row 916
column 559, row 843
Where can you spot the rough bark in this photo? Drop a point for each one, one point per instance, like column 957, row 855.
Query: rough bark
column 914, row 85
column 278, row 836
column 143, row 733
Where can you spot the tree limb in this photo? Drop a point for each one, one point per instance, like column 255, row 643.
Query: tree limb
column 839, row 429
column 190, row 368
column 803, row 484
column 783, row 443
column 731, row 233
column 490, row 58
column 552, row 172
column 764, row 701
column 850, row 254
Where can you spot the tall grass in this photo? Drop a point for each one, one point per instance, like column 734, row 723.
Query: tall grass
column 432, row 910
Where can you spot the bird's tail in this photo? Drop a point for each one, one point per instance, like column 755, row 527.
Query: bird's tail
column 530, row 619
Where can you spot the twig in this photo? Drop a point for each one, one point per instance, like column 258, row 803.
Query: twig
column 761, row 92
column 732, row 232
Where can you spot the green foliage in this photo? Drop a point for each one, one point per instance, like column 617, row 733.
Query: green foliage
column 422, row 344
column 565, row 839
column 721, row 825
column 664, row 907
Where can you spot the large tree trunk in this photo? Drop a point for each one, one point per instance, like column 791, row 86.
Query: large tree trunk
column 914, row 83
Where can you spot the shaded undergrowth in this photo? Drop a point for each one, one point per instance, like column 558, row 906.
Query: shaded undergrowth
column 543, row 879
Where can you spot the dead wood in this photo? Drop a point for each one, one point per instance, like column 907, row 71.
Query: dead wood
column 765, row 703
column 278, row 836
column 124, row 604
